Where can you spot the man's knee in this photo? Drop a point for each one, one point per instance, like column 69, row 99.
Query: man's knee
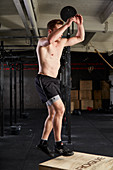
column 51, row 112
column 51, row 116
column 60, row 111
column 59, row 107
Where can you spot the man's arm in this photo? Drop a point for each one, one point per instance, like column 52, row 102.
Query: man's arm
column 58, row 33
column 79, row 37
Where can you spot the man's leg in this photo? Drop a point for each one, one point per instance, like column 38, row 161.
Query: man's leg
column 57, row 121
column 54, row 120
column 57, row 126
column 48, row 123
column 46, row 132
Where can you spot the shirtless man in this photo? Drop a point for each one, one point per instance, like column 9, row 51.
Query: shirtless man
column 49, row 51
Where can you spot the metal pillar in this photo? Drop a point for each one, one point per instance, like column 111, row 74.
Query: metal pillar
column 22, row 88
column 11, row 106
column 2, row 90
column 67, row 92
column 67, row 88
column 20, row 91
column 15, row 101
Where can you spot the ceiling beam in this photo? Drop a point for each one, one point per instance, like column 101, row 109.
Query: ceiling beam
column 30, row 12
column 107, row 12
column 22, row 15
column 12, row 30
column 89, row 36
column 36, row 9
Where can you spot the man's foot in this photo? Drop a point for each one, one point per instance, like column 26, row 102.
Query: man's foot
column 63, row 150
column 45, row 149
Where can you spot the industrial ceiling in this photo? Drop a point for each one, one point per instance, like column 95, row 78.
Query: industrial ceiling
column 22, row 22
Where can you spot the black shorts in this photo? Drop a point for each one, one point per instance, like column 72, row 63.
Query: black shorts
column 48, row 88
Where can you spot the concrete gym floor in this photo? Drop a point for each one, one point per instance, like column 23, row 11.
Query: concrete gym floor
column 92, row 132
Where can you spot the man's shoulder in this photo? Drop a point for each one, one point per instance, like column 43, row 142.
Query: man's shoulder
column 43, row 38
column 43, row 41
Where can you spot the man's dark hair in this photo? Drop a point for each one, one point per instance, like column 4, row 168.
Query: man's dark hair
column 51, row 24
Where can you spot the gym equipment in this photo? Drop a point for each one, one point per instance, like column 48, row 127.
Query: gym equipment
column 67, row 12
column 11, row 102
column 2, row 88
column 78, row 161
column 15, row 130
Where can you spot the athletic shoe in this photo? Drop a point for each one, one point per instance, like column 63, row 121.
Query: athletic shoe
column 45, row 149
column 63, row 150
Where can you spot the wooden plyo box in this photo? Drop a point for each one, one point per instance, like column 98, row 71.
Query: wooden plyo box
column 79, row 161
column 105, row 94
column 86, row 103
column 85, row 94
column 74, row 94
column 97, row 94
column 72, row 106
column 105, row 85
column 97, row 104
column 86, row 85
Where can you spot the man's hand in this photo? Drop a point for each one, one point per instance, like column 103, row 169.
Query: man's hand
column 79, row 37
column 78, row 19
column 70, row 20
